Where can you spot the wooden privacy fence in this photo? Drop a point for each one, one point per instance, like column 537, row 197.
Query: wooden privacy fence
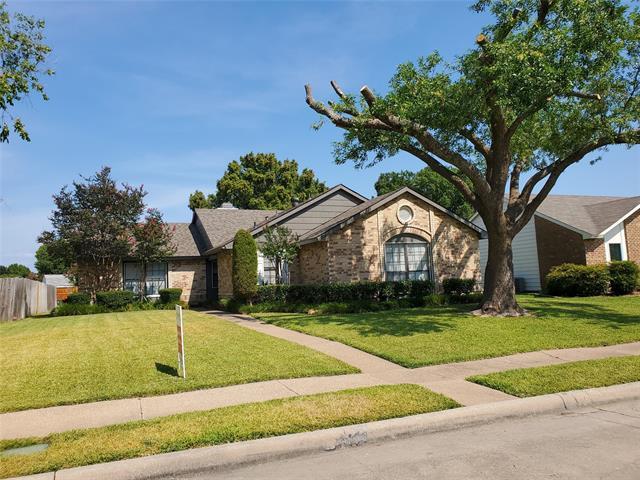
column 21, row 297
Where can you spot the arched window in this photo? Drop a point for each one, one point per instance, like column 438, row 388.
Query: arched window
column 407, row 257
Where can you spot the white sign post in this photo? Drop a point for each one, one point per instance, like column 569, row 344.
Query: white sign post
column 180, row 328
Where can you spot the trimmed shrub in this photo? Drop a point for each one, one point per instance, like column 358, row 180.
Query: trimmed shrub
column 458, row 286
column 465, row 299
column 413, row 290
column 169, row 306
column 570, row 280
column 244, row 267
column 625, row 277
column 78, row 298
column 115, row 299
column 170, row 295
column 66, row 309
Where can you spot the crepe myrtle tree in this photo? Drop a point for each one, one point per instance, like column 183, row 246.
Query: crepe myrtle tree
column 547, row 83
column 151, row 241
column 281, row 247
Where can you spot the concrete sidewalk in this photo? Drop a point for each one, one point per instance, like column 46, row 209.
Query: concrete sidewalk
column 213, row 461
column 447, row 379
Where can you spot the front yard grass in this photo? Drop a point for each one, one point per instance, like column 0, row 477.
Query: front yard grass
column 66, row 360
column 433, row 335
column 529, row 382
column 223, row 425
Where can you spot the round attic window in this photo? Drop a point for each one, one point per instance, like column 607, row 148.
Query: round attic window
column 405, row 214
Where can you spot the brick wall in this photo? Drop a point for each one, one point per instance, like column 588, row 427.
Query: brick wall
column 356, row 252
column 311, row 264
column 632, row 237
column 594, row 251
column 556, row 245
column 225, row 283
column 190, row 276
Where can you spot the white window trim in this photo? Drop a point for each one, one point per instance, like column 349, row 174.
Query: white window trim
column 615, row 235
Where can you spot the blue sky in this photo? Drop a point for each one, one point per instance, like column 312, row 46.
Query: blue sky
column 167, row 93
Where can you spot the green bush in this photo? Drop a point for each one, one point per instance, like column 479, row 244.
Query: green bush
column 316, row 294
column 244, row 267
column 625, row 277
column 79, row 298
column 570, row 280
column 66, row 309
column 170, row 295
column 466, row 298
column 170, row 306
column 458, row 286
column 115, row 299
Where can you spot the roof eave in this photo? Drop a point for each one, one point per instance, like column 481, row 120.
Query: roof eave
column 622, row 219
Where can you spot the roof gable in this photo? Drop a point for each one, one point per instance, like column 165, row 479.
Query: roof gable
column 283, row 217
column 375, row 203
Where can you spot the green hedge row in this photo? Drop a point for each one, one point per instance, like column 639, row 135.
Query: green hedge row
column 117, row 301
column 571, row 280
column 344, row 292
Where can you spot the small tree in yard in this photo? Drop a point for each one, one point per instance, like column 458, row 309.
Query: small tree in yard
column 549, row 82
column 94, row 220
column 244, row 266
column 281, row 247
column 151, row 242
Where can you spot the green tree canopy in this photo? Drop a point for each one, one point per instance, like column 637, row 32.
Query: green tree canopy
column 15, row 270
column 547, row 83
column 95, row 219
column 244, row 266
column 23, row 52
column 261, row 181
column 49, row 260
column 428, row 183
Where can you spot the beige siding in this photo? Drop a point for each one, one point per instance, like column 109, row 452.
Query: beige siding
column 225, row 285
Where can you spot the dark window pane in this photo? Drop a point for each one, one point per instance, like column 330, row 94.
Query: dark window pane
column 615, row 251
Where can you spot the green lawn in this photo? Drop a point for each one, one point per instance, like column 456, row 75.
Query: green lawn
column 64, row 360
column 433, row 335
column 529, row 382
column 224, row 425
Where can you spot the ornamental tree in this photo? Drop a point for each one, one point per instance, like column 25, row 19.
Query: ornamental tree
column 244, row 266
column 94, row 220
column 546, row 84
column 151, row 241
column 281, row 247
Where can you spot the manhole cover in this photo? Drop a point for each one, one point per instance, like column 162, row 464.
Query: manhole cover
column 24, row 450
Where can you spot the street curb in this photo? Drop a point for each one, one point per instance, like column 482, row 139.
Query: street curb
column 287, row 446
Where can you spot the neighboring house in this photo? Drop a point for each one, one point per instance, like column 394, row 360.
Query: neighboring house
column 343, row 237
column 573, row 229
column 64, row 285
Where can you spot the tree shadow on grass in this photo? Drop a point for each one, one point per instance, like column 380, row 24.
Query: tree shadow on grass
column 584, row 309
column 166, row 369
column 398, row 323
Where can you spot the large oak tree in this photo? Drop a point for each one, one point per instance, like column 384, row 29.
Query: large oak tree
column 548, row 83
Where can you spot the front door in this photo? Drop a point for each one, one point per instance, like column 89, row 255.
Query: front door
column 212, row 280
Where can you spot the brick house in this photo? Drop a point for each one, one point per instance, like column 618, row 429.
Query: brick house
column 343, row 237
column 578, row 229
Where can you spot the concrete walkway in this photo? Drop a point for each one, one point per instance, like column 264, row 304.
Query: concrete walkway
column 447, row 379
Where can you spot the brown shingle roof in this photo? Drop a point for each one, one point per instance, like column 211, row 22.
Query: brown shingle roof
column 590, row 214
column 221, row 224
column 184, row 237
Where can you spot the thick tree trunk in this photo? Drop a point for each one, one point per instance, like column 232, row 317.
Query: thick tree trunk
column 499, row 285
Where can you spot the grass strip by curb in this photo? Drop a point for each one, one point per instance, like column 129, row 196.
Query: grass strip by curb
column 222, row 425
column 529, row 382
